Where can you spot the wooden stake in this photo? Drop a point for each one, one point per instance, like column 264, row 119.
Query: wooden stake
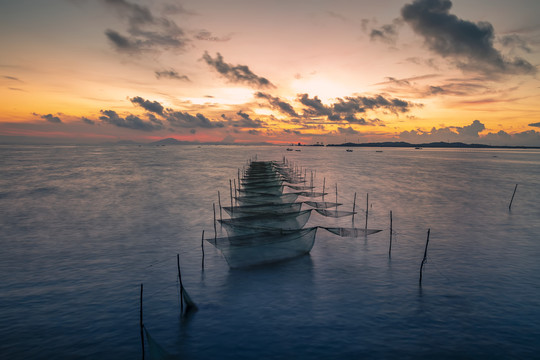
column 390, row 247
column 230, row 188
column 425, row 256
column 323, row 184
column 181, row 286
column 353, row 208
column 336, row 193
column 141, row 321
column 219, row 201
column 235, row 189
column 510, row 206
column 367, row 208
column 202, row 247
column 215, row 230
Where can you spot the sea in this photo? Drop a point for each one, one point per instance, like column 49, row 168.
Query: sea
column 83, row 227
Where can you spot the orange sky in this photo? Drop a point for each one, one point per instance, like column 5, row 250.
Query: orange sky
column 79, row 71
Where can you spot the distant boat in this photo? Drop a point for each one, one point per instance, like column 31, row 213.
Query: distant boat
column 378, row 150
column 297, row 150
column 289, row 149
column 349, row 150
column 418, row 148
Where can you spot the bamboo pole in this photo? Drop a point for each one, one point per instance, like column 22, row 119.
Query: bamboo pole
column 390, row 247
column 323, row 187
column 141, row 321
column 235, row 189
column 336, row 193
column 367, row 208
column 230, row 189
column 181, row 286
column 510, row 206
column 425, row 256
column 353, row 209
column 215, row 230
column 202, row 247
column 220, row 210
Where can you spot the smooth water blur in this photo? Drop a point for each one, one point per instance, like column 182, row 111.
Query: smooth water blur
column 83, row 227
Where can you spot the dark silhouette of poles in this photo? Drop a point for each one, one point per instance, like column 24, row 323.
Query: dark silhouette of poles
column 367, row 208
column 425, row 257
column 230, row 188
column 353, row 209
column 202, row 246
column 390, row 247
column 181, row 286
column 336, row 195
column 510, row 206
column 215, row 230
column 141, row 321
column 219, row 202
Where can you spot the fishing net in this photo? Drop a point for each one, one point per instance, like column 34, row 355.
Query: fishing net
column 322, row 204
column 267, row 198
column 266, row 221
column 265, row 247
column 350, row 232
column 156, row 351
column 334, row 213
column 263, row 209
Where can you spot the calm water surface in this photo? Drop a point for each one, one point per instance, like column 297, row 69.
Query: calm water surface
column 82, row 227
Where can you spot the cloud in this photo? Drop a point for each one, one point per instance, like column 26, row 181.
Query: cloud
column 50, row 118
column 246, row 121
column 277, row 104
column 346, row 109
column 525, row 138
column 136, row 14
column 185, row 120
column 206, row 35
column 348, row 131
column 152, row 106
column 471, row 130
column 177, row 9
column 468, row 44
column 535, row 124
column 12, row 78
column 387, row 33
column 468, row 134
column 236, row 73
column 146, row 31
column 315, row 107
column 514, row 41
column 170, row 74
column 122, row 43
column 87, row 121
column 130, row 121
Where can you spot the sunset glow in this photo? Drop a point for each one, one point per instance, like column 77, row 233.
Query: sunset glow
column 80, row 71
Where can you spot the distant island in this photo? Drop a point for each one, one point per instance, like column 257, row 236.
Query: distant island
column 389, row 144
column 439, row 144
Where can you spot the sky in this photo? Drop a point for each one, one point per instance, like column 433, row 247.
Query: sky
column 282, row 71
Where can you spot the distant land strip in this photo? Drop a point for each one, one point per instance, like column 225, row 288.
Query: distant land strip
column 439, row 144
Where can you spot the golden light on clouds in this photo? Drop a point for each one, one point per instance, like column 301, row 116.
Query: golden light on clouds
column 269, row 72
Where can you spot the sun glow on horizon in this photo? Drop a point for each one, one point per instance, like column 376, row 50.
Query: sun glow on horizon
column 324, row 88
